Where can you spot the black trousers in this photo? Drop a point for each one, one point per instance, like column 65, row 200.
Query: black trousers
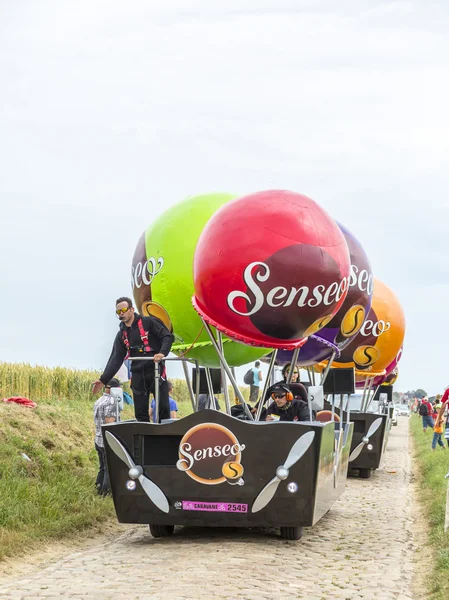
column 142, row 384
column 102, row 482
column 254, row 393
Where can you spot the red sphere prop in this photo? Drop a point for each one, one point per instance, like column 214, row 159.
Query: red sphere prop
column 270, row 269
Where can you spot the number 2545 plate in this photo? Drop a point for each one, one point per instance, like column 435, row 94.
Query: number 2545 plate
column 212, row 506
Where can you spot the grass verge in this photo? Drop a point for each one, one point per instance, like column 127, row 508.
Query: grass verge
column 432, row 466
column 51, row 495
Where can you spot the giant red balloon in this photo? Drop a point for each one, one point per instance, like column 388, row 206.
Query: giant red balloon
column 270, row 269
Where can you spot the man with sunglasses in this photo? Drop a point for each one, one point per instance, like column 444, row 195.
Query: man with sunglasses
column 139, row 336
column 297, row 388
column 285, row 407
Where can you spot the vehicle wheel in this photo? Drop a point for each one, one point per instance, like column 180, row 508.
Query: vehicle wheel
column 158, row 531
column 395, row 423
column 291, row 533
column 364, row 473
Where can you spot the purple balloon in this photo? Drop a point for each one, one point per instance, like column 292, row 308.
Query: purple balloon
column 347, row 322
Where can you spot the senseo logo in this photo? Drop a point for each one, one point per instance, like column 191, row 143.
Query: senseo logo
column 280, row 296
column 376, row 329
column 211, row 454
column 143, row 273
column 363, row 280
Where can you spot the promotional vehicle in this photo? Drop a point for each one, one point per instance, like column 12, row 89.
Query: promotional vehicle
column 268, row 273
column 370, row 434
column 211, row 469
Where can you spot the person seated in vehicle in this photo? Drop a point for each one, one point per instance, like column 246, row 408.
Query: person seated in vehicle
column 239, row 412
column 298, row 390
column 285, row 406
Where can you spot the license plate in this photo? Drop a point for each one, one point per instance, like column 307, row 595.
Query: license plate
column 214, row 506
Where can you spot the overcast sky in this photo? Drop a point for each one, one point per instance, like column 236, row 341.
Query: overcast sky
column 112, row 111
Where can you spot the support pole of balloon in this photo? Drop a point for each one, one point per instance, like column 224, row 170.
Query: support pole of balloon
column 266, row 384
column 366, row 394
column 348, row 417
column 348, row 410
column 210, row 389
column 373, row 395
column 293, row 365
column 333, row 408
column 362, row 404
column 309, row 375
column 156, row 391
column 224, row 380
column 225, row 365
column 328, row 366
column 189, row 383
column 197, row 386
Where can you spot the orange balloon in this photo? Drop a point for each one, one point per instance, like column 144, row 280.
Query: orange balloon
column 380, row 338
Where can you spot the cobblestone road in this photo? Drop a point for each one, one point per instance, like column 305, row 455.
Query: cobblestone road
column 363, row 548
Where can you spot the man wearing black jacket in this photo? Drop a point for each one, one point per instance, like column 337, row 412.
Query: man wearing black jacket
column 285, row 407
column 140, row 336
column 298, row 390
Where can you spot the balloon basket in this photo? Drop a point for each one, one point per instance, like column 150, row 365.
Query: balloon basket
column 211, row 469
column 372, row 452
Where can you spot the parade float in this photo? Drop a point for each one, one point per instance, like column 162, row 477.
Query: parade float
column 374, row 355
column 264, row 272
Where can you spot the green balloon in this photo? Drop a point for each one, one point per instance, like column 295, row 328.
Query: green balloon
column 163, row 272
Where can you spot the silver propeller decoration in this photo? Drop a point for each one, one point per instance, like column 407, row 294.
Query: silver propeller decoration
column 365, row 439
column 297, row 451
column 154, row 492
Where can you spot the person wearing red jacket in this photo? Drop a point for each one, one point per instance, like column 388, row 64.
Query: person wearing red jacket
column 444, row 402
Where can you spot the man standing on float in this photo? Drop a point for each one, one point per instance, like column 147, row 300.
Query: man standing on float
column 139, row 336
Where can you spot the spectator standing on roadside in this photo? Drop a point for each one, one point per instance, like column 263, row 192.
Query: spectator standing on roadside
column 255, row 385
column 425, row 411
column 437, row 433
column 105, row 411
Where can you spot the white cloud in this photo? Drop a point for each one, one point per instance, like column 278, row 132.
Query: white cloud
column 111, row 112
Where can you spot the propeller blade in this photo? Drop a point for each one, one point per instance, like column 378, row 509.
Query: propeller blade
column 154, row 493
column 266, row 495
column 374, row 427
column 119, row 449
column 354, row 454
column 299, row 448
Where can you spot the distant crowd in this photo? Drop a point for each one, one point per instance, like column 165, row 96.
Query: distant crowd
column 435, row 415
